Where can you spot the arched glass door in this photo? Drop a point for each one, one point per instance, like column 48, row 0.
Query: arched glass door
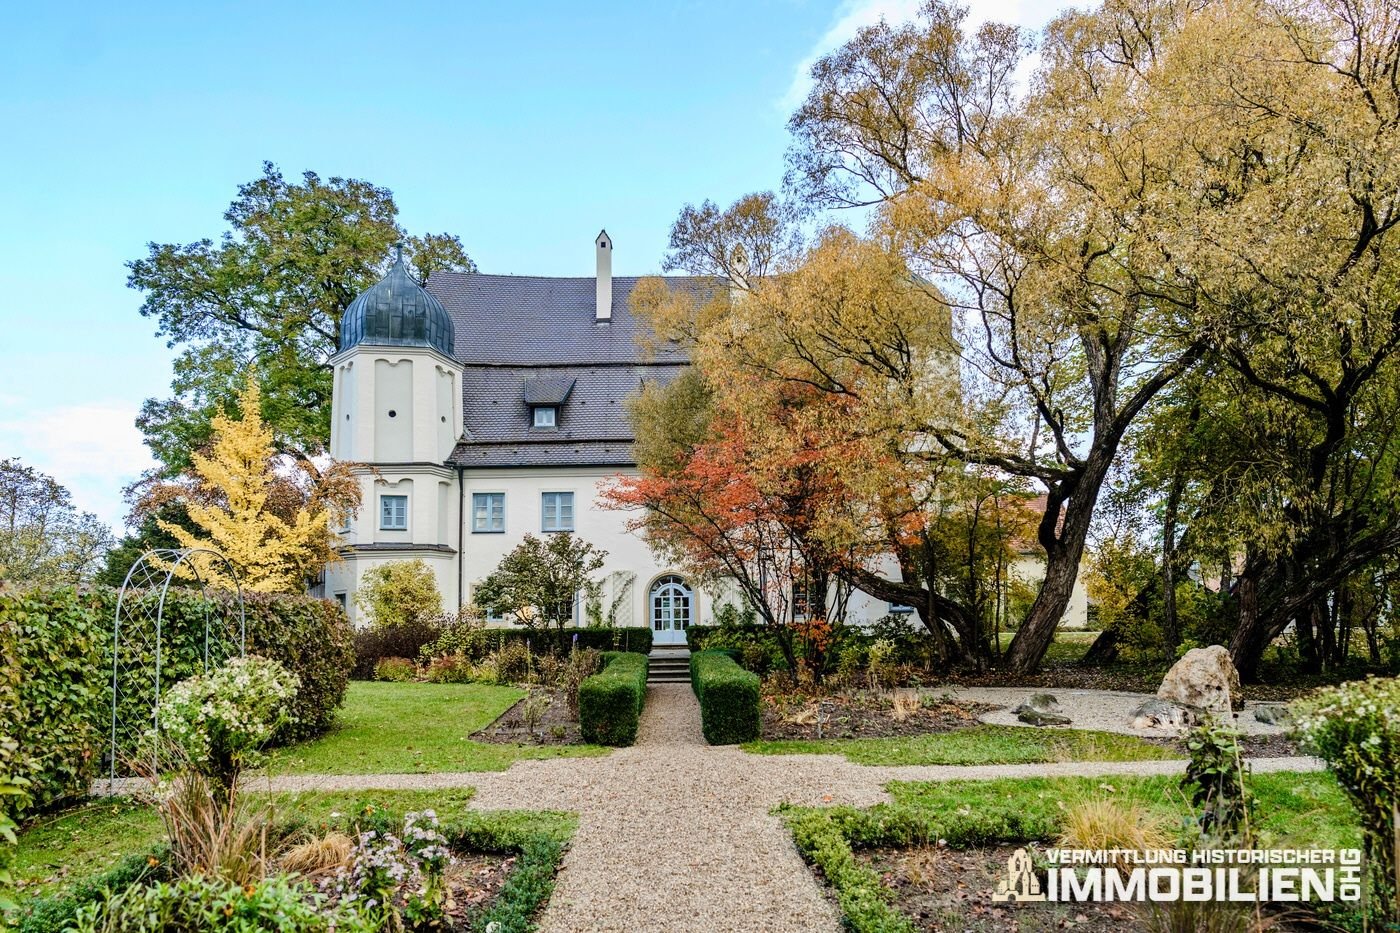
column 670, row 610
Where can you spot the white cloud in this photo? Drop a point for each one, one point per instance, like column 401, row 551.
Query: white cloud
column 94, row 450
column 854, row 15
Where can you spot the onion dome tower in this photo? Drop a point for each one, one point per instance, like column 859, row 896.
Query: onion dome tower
column 397, row 312
column 398, row 386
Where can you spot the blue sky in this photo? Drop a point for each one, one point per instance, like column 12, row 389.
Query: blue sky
column 520, row 128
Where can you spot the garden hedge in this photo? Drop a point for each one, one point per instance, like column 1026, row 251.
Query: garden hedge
column 729, row 698
column 410, row 641
column 610, row 702
column 56, row 669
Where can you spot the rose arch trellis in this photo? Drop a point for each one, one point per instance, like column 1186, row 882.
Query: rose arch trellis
column 153, row 646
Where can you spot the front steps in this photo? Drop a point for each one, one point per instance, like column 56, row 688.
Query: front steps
column 668, row 666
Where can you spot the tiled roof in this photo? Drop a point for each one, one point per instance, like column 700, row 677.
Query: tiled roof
column 547, row 390
column 534, row 320
column 526, row 340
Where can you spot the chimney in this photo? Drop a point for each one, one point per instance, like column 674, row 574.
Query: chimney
column 604, row 307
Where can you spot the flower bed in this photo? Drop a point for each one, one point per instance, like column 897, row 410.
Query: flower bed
column 497, row 868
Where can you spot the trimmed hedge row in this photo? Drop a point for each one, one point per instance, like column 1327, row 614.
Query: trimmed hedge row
column 610, row 702
column 829, row 837
column 56, row 669
column 729, row 704
column 415, row 640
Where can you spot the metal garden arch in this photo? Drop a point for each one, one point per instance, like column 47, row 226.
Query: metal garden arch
column 141, row 638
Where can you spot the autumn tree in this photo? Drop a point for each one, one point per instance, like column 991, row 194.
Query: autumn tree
column 539, row 583
column 270, row 515
column 818, row 382
column 267, row 297
column 719, row 504
column 398, row 592
column 44, row 539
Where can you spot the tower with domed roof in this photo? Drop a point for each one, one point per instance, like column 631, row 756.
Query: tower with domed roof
column 396, row 413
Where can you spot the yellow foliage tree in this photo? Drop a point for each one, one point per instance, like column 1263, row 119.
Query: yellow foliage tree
column 236, row 479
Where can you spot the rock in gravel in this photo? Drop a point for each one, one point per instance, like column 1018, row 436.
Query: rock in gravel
column 1035, row 717
column 1275, row 714
column 1041, row 703
column 1205, row 678
column 1041, row 709
column 1158, row 714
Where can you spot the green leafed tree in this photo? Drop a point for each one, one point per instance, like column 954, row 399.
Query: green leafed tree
column 43, row 538
column 538, row 583
column 398, row 592
column 267, row 296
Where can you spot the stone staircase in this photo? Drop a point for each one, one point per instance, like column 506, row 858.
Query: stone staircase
column 668, row 666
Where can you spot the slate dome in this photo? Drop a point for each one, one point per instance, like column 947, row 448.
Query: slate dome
column 397, row 312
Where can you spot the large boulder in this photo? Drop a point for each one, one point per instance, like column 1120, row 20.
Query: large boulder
column 1205, row 678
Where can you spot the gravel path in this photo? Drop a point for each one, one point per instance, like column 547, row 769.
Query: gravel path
column 675, row 835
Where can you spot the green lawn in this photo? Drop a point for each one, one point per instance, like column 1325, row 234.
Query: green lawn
column 390, row 728
column 1292, row 808
column 979, row 745
column 75, row 844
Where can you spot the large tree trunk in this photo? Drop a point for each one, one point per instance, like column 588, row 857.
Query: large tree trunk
column 1248, row 643
column 1063, row 540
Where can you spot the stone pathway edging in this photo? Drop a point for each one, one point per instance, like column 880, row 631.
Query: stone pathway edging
column 677, row 835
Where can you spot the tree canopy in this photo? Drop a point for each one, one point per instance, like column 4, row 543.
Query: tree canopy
column 267, row 297
column 1169, row 254
column 44, row 539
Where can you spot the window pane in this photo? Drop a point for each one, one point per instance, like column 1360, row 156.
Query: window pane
column 558, row 511
column 393, row 513
column 488, row 511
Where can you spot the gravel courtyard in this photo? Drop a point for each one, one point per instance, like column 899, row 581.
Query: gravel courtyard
column 676, row 835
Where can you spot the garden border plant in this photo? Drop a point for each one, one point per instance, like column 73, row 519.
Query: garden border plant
column 537, row 839
column 730, row 710
column 610, row 702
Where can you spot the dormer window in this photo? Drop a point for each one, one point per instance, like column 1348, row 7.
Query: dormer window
column 546, row 416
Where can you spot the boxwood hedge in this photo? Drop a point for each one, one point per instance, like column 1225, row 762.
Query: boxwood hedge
column 610, row 702
column 729, row 699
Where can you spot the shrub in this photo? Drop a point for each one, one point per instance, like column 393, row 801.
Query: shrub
column 398, row 880
column 1214, row 782
column 398, row 670
column 398, row 592
column 729, row 698
column 1355, row 728
column 51, row 692
column 580, row 666
column 313, row 639
column 610, row 702
column 197, row 902
column 405, row 640
column 512, row 662
column 57, row 643
column 449, row 669
column 221, row 721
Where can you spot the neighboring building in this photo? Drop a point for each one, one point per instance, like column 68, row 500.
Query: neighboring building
column 486, row 407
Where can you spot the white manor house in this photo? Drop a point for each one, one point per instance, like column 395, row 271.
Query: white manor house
column 487, row 407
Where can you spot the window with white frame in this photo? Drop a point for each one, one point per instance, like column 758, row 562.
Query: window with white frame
column 393, row 513
column 488, row 512
column 558, row 511
column 546, row 416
